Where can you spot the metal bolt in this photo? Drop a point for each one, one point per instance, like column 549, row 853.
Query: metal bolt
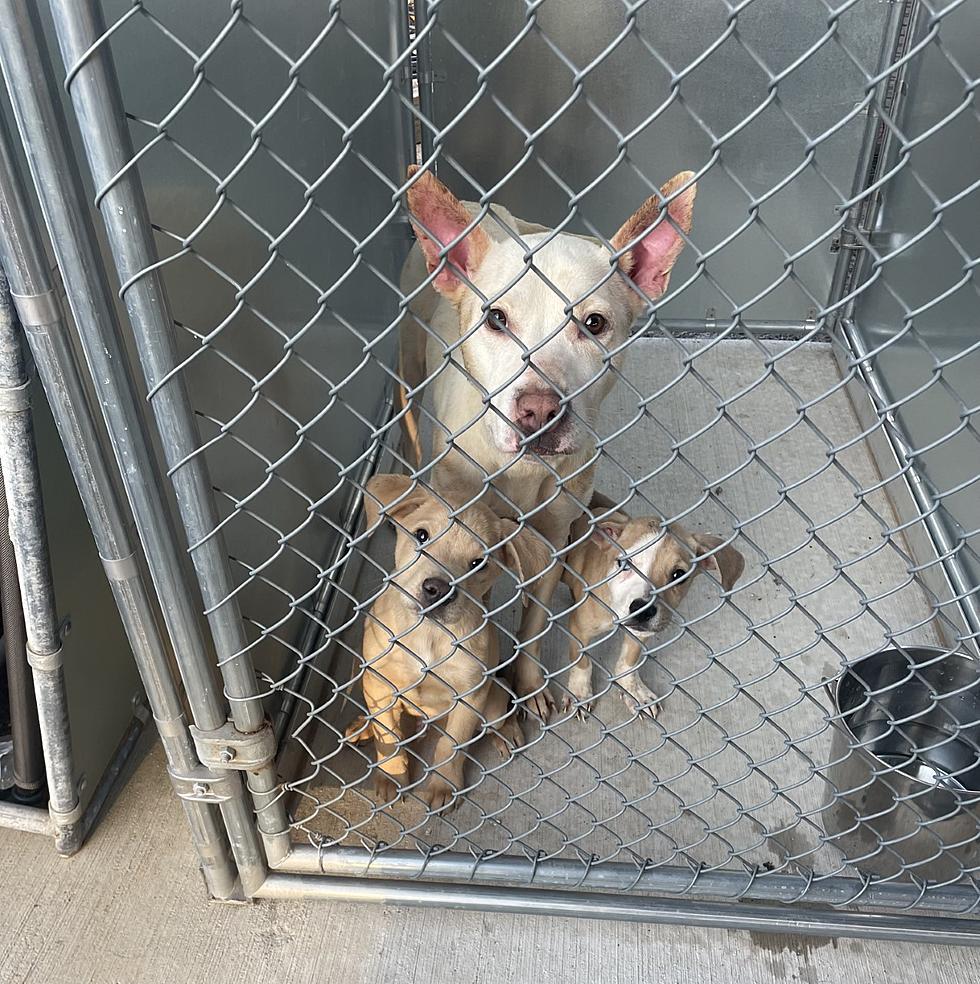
column 201, row 789
column 226, row 755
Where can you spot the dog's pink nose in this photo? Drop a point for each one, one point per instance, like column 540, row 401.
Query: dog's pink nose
column 537, row 408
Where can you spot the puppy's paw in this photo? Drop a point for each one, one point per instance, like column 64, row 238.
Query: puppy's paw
column 577, row 706
column 438, row 794
column 640, row 699
column 388, row 786
column 359, row 731
column 507, row 737
column 579, row 697
column 539, row 704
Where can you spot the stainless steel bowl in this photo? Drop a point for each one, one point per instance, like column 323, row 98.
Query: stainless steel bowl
column 905, row 763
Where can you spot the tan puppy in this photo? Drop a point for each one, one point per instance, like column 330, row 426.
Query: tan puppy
column 632, row 573
column 519, row 337
column 429, row 651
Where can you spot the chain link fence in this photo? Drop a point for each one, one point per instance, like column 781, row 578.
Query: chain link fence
column 447, row 477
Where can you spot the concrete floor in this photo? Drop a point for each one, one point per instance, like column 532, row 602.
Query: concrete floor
column 821, row 587
column 130, row 909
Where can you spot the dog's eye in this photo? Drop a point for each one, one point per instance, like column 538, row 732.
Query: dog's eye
column 595, row 324
column 496, row 319
column 421, row 535
column 677, row 573
column 475, row 563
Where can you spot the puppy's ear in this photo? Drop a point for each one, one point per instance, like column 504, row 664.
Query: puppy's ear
column 527, row 554
column 441, row 220
column 727, row 564
column 653, row 249
column 608, row 531
column 382, row 490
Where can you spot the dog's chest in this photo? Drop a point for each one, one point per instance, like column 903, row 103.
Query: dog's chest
column 435, row 671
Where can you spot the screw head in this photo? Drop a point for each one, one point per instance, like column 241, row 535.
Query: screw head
column 227, row 754
column 201, row 788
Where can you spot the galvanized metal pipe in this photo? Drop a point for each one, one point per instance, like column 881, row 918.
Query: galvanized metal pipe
column 25, row 506
column 42, row 127
column 798, row 920
column 28, row 819
column 27, row 756
column 94, row 93
column 352, row 862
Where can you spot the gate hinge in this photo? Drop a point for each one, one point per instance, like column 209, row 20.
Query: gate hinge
column 229, row 748
column 203, row 786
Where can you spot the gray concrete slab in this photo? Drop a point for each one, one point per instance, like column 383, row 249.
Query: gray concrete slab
column 730, row 773
column 130, row 909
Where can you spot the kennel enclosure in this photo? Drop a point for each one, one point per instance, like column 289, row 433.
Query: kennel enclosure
column 231, row 247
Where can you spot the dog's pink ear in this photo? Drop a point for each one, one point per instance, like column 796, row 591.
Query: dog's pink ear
column 726, row 564
column 651, row 251
column 442, row 219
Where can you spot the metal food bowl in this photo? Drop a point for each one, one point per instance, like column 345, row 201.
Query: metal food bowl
column 905, row 764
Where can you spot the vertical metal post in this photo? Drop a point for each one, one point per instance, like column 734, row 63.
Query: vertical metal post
column 40, row 315
column 426, row 80
column 42, row 127
column 25, row 508
column 28, row 757
column 95, row 97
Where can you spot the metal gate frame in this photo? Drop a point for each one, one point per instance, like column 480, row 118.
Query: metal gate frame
column 44, row 706
column 230, row 739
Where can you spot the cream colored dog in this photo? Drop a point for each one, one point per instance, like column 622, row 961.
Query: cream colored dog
column 516, row 340
column 429, row 650
column 633, row 574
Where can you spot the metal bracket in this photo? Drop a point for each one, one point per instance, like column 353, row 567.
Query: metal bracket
column 203, row 786
column 15, row 399
column 229, row 748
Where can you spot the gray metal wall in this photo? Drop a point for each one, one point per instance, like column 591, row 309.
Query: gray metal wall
column 902, row 310
column 671, row 127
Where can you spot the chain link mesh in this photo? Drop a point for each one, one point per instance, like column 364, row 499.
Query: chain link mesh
column 272, row 146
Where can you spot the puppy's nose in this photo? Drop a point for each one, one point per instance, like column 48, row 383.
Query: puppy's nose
column 537, row 408
column 643, row 607
column 435, row 589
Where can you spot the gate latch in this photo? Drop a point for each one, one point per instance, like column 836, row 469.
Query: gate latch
column 228, row 748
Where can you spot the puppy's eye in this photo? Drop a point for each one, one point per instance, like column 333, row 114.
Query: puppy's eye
column 595, row 324
column 475, row 563
column 496, row 319
column 677, row 573
column 421, row 535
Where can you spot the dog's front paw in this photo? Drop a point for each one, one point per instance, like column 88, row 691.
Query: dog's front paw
column 507, row 737
column 360, row 731
column 438, row 794
column 639, row 698
column 579, row 696
column 573, row 704
column 534, row 697
column 388, row 786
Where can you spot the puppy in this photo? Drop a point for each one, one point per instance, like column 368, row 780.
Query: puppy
column 514, row 328
column 633, row 574
column 429, row 650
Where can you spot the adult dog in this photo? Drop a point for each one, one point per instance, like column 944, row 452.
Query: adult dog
column 514, row 329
